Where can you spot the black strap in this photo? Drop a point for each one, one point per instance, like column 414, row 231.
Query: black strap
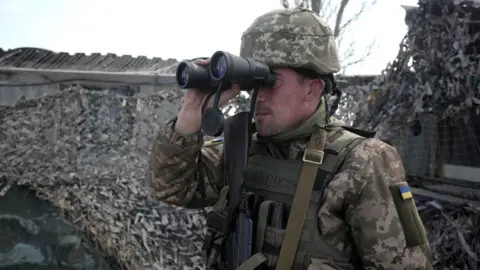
column 205, row 102
column 363, row 133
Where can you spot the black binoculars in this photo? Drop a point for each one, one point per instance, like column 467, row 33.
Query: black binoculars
column 225, row 68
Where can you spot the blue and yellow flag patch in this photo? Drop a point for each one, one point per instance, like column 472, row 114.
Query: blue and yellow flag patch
column 215, row 141
column 218, row 139
column 405, row 192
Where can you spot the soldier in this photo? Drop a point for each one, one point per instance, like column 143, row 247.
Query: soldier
column 362, row 214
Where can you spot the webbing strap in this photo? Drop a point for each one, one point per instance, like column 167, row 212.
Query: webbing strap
column 312, row 158
column 222, row 199
column 262, row 224
column 253, row 262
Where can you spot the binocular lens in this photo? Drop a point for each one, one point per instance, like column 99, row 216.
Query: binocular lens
column 191, row 75
column 220, row 67
column 184, row 77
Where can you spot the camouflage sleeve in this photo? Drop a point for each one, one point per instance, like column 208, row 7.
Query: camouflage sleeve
column 175, row 174
column 385, row 227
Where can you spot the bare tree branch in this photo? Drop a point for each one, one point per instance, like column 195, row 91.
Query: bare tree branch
column 338, row 20
column 367, row 52
column 356, row 16
column 285, row 3
column 329, row 11
column 316, row 6
column 334, row 11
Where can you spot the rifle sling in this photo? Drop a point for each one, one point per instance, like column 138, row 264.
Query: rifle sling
column 312, row 158
column 253, row 262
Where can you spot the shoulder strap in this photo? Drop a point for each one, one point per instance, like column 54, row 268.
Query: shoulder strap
column 337, row 150
column 342, row 142
column 313, row 159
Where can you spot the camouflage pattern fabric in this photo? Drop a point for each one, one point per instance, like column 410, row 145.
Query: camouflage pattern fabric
column 292, row 38
column 361, row 214
column 174, row 166
column 358, row 212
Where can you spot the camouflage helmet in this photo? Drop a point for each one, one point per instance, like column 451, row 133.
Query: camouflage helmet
column 292, row 38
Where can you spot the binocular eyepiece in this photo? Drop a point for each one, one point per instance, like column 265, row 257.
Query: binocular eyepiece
column 227, row 69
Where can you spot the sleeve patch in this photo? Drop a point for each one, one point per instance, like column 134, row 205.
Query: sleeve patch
column 216, row 141
column 405, row 192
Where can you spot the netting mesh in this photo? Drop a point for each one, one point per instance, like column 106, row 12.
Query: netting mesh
column 87, row 152
column 431, row 144
column 435, row 72
column 426, row 103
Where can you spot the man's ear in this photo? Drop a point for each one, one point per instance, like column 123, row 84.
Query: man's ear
column 314, row 89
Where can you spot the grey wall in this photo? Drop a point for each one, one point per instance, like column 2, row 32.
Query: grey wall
column 10, row 94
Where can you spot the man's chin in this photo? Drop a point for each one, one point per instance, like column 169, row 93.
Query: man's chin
column 266, row 133
column 263, row 130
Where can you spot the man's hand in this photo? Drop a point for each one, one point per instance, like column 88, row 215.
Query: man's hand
column 190, row 116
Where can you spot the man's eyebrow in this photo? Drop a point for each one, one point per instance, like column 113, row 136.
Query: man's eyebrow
column 276, row 73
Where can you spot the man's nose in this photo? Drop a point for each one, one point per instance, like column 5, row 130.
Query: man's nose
column 262, row 94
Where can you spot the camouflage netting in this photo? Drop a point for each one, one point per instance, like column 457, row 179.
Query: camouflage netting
column 436, row 73
column 87, row 152
column 436, row 70
column 353, row 90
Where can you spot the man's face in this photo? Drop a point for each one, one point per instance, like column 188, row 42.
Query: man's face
column 288, row 104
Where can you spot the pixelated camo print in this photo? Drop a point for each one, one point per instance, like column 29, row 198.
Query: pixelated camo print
column 292, row 37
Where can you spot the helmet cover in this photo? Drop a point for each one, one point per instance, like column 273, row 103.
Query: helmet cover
column 292, row 38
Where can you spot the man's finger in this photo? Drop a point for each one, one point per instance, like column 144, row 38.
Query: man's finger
column 202, row 62
column 230, row 93
column 235, row 87
column 233, row 91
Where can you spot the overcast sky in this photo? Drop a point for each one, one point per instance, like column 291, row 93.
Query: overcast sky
column 174, row 29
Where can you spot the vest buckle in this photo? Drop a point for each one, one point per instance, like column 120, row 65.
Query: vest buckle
column 313, row 156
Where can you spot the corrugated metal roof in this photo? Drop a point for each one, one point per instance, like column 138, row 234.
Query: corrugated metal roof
column 45, row 59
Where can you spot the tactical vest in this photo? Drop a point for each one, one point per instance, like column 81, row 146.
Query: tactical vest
column 273, row 184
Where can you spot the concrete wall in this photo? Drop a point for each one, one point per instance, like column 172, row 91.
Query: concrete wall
column 9, row 95
column 35, row 85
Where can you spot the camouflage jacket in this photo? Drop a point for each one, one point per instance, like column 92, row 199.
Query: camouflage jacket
column 358, row 215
